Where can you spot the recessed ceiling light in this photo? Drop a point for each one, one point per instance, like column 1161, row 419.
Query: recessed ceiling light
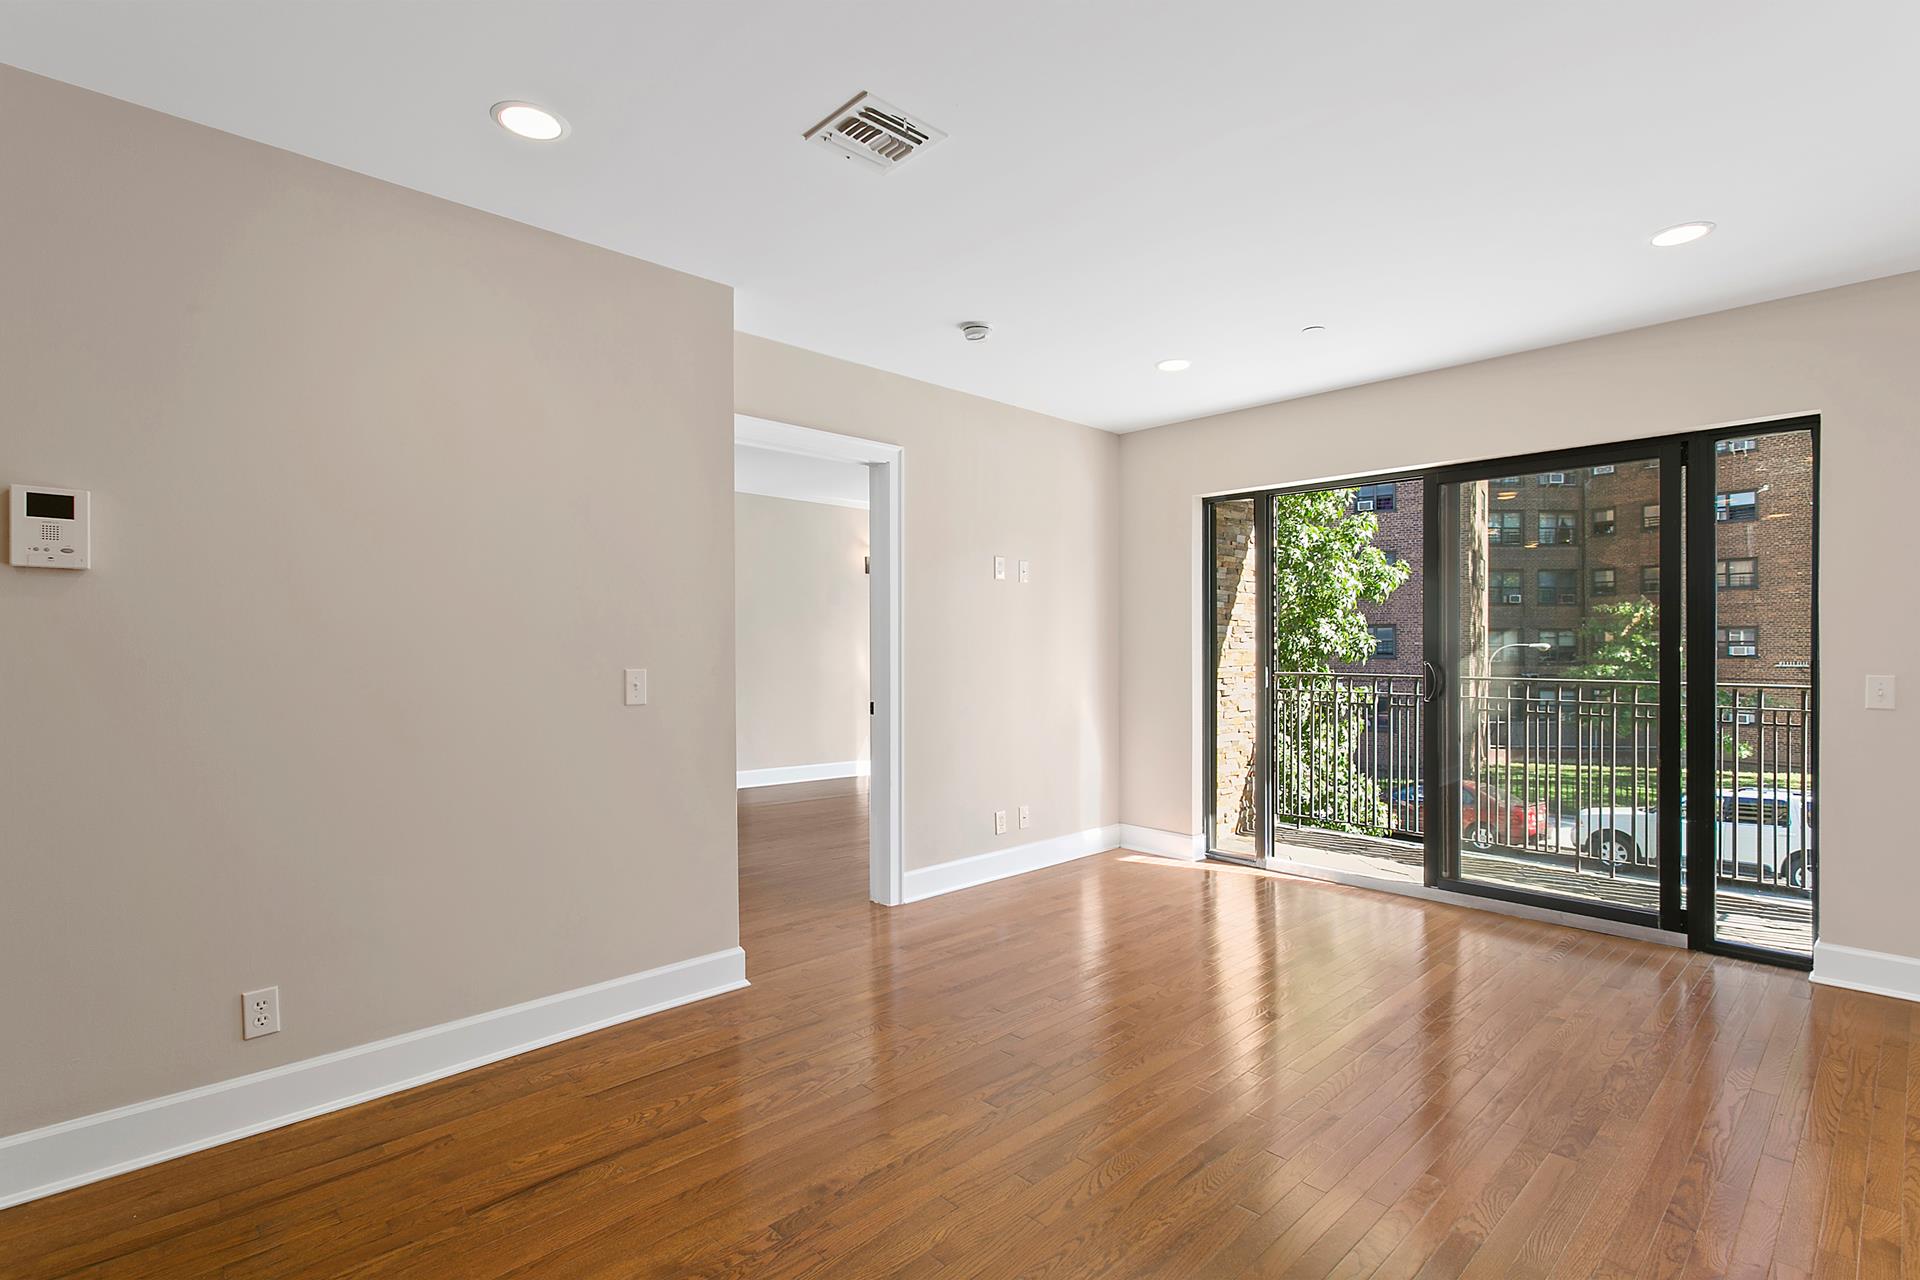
column 1685, row 233
column 1174, row 366
column 525, row 120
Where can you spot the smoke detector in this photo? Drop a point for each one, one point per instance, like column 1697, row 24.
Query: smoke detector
column 874, row 131
column 974, row 331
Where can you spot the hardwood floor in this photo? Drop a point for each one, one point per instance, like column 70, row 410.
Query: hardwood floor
column 1119, row 1067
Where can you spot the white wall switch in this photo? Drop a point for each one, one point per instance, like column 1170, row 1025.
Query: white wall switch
column 1880, row 693
column 999, row 822
column 999, row 568
column 636, row 686
column 1026, row 571
column 259, row 1012
column 1026, row 817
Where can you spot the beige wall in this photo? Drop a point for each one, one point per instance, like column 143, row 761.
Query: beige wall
column 1847, row 354
column 1010, row 689
column 800, row 632
column 386, row 492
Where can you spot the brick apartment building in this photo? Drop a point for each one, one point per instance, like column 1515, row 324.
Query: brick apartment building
column 1563, row 545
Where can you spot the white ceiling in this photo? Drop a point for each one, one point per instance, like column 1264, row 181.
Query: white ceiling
column 772, row 473
column 1125, row 180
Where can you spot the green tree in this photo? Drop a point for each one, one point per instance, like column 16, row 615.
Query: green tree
column 1622, row 642
column 1325, row 565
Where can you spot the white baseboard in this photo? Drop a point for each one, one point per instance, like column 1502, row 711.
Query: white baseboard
column 801, row 773
column 1882, row 973
column 1165, row 844
column 964, row 873
column 74, row 1152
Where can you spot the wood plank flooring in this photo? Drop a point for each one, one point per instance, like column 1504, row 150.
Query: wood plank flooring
column 1120, row 1067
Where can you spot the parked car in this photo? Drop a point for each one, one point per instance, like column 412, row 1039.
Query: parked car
column 1488, row 817
column 1763, row 834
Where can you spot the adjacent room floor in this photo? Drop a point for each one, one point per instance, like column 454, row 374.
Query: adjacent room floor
column 1121, row 1067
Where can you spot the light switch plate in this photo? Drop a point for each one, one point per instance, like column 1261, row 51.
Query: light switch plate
column 999, row 822
column 636, row 686
column 999, row 568
column 1880, row 693
column 1026, row 571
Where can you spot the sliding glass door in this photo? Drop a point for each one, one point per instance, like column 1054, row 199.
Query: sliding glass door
column 1581, row 681
column 1752, row 822
column 1559, row 760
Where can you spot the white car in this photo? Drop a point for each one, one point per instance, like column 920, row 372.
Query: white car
column 1763, row 835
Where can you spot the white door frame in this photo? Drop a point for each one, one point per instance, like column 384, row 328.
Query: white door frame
column 886, row 527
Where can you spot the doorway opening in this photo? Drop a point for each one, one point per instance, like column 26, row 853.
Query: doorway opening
column 1581, row 683
column 818, row 526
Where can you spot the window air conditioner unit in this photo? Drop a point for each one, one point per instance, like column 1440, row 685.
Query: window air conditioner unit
column 1741, row 650
column 1554, row 477
column 1568, row 597
column 1606, row 470
column 1740, row 446
column 1515, row 597
column 1363, row 504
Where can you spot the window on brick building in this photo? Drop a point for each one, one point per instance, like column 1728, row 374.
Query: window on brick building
column 1603, row 520
column 1375, row 497
column 1735, row 446
column 1556, row 587
column 1736, row 575
column 1560, row 645
column 1556, row 528
column 1743, row 504
column 1386, row 641
column 1739, row 642
column 1650, row 580
column 1605, row 583
column 1503, row 529
column 1503, row 587
column 1650, row 516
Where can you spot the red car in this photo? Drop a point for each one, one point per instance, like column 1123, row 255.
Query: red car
column 1488, row 818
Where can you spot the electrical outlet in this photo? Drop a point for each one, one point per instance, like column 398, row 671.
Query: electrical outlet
column 1026, row 817
column 259, row 1012
column 999, row 822
column 999, row 568
column 1026, row 571
column 636, row 686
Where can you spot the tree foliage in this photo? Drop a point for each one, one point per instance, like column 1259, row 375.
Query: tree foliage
column 1622, row 642
column 1325, row 564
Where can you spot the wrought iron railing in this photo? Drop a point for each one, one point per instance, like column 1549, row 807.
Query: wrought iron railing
column 1563, row 770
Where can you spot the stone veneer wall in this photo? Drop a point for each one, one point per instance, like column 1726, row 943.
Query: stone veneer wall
column 1237, row 673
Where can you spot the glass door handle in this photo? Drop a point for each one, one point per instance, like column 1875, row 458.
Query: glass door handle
column 1434, row 681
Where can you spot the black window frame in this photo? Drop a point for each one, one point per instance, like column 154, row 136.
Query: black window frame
column 1566, row 522
column 1723, row 641
column 1375, row 492
column 1724, row 577
column 1562, row 578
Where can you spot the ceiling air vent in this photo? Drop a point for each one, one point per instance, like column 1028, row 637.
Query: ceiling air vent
column 874, row 131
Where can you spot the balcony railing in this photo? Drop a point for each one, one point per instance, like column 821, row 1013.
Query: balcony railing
column 1560, row 770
